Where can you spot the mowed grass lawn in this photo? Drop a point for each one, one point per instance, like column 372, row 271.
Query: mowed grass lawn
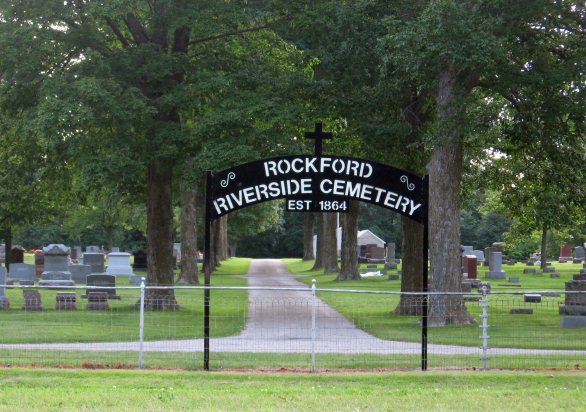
column 375, row 312
column 371, row 312
column 121, row 321
column 123, row 390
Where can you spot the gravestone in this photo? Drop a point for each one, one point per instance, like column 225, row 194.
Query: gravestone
column 393, row 277
column 17, row 254
column 140, row 260
column 22, row 272
column 390, row 262
column 532, row 298
column 565, row 253
column 2, row 253
column 581, row 276
column 73, row 254
column 119, row 264
column 499, row 246
column 555, row 275
column 529, row 270
column 115, row 249
column 95, row 260
column 66, row 301
column 4, row 301
column 495, row 270
column 56, row 279
column 479, row 255
column 549, row 269
column 80, row 272
column 102, row 280
column 39, row 263
column 92, row 249
column 466, row 287
column 177, row 253
column 580, row 254
column 575, row 300
column 487, row 255
column 56, row 258
column 521, row 311
column 97, row 301
column 470, row 266
column 32, row 300
column 377, row 254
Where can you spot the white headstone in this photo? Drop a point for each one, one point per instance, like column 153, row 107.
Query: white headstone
column 119, row 264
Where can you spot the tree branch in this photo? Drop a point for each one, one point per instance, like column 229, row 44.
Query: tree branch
column 236, row 32
column 117, row 32
column 136, row 29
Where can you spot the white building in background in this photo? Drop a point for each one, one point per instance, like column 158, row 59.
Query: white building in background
column 367, row 242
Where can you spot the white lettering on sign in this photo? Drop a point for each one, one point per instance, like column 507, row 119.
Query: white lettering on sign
column 258, row 193
column 347, row 167
column 369, row 193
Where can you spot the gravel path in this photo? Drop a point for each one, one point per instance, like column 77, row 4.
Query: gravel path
column 280, row 322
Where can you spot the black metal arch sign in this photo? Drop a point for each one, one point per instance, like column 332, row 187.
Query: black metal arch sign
column 317, row 184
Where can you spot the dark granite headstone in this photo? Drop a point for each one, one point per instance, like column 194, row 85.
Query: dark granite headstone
column 17, row 254
column 470, row 266
column 532, row 298
column 521, row 311
column 32, row 300
column 97, row 301
column 108, row 281
column 66, row 301
column 39, row 263
column 140, row 260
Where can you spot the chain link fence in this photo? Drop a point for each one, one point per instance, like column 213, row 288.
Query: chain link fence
column 288, row 328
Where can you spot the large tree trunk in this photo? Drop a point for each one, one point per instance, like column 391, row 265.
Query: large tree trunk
column 330, row 243
column 319, row 253
column 160, row 235
column 445, row 173
column 222, row 246
column 412, row 268
column 308, row 221
column 350, row 267
column 543, row 247
column 189, row 272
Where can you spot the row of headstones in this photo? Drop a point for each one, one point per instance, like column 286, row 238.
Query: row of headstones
column 97, row 283
column 58, row 270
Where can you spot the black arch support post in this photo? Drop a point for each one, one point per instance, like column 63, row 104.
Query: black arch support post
column 425, row 274
column 207, row 264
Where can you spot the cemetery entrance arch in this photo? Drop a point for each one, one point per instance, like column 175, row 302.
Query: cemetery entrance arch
column 315, row 183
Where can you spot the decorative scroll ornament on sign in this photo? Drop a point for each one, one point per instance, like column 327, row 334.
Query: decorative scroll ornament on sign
column 405, row 180
column 231, row 176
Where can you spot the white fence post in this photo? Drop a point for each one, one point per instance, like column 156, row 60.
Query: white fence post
column 141, row 323
column 485, row 337
column 313, row 331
